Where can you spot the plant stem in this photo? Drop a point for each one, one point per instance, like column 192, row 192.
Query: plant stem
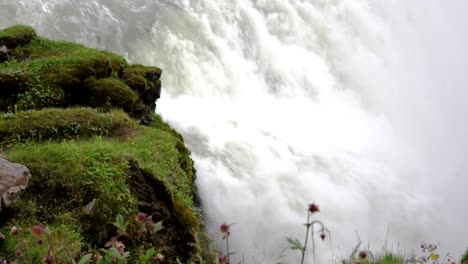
column 227, row 248
column 313, row 244
column 306, row 237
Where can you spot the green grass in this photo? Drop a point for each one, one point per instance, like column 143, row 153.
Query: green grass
column 68, row 175
column 59, row 124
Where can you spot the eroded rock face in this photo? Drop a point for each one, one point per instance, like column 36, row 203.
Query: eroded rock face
column 14, row 179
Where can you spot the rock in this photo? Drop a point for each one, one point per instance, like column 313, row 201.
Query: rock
column 14, row 179
column 4, row 54
column 17, row 35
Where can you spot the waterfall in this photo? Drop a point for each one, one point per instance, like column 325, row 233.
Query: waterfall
column 356, row 105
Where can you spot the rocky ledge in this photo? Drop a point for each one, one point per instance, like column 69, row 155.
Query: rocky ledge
column 82, row 121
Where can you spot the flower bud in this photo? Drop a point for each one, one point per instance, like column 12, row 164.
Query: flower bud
column 37, row 231
column 313, row 208
column 14, row 230
column 224, row 229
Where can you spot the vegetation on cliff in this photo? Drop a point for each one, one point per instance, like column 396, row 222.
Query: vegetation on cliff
column 82, row 120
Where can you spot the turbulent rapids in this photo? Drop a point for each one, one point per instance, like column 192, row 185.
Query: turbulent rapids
column 285, row 103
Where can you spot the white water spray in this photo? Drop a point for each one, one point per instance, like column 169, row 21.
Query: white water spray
column 284, row 103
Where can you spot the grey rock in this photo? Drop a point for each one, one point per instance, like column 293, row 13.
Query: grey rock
column 14, row 178
column 4, row 56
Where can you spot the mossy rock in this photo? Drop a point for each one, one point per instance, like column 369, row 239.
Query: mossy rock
column 44, row 73
column 91, row 165
column 16, row 35
column 142, row 78
column 110, row 92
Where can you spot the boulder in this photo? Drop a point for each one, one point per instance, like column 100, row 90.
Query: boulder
column 4, row 56
column 14, row 179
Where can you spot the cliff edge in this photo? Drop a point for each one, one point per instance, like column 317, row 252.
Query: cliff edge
column 82, row 121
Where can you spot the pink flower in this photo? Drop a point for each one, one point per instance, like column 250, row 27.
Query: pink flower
column 37, row 231
column 142, row 217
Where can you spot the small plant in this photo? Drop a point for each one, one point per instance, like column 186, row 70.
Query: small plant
column 116, row 248
column 295, row 244
column 225, row 231
column 430, row 256
column 45, row 245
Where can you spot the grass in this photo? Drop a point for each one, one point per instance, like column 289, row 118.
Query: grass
column 59, row 124
column 68, row 175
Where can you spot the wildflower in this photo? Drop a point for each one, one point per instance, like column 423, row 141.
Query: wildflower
column 14, row 230
column 224, row 228
column 97, row 257
column 159, row 257
column 48, row 259
column 323, row 236
column 223, row 259
column 362, row 255
column 18, row 252
column 313, row 208
column 142, row 217
column 37, row 230
column 120, row 247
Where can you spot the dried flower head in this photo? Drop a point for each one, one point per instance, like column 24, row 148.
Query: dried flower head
column 120, row 247
column 49, row 259
column 313, row 208
column 323, row 236
column 159, row 257
column 97, row 257
column 224, row 229
column 222, row 259
column 142, row 218
column 37, row 231
column 362, row 254
column 14, row 230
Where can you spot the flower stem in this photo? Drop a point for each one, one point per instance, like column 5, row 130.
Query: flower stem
column 306, row 237
column 227, row 248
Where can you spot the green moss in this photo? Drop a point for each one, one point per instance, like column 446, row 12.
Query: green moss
column 464, row 259
column 16, row 35
column 58, row 124
column 138, row 76
column 110, row 91
column 52, row 73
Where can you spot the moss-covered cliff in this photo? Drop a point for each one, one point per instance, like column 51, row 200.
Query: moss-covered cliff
column 82, row 120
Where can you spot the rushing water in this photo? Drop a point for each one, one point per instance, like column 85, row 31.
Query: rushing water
column 357, row 105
